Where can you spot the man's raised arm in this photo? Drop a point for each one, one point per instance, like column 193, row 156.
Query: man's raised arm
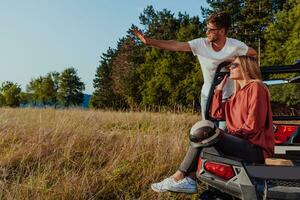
column 170, row 45
column 251, row 52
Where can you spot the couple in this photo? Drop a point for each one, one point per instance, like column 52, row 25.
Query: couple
column 247, row 112
column 249, row 134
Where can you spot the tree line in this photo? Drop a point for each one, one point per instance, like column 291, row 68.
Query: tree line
column 55, row 89
column 136, row 76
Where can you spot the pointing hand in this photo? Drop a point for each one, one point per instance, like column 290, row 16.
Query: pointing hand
column 140, row 35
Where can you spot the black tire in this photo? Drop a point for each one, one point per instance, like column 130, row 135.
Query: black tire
column 215, row 195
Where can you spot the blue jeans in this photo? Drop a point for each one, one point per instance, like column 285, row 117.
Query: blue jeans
column 229, row 145
column 203, row 102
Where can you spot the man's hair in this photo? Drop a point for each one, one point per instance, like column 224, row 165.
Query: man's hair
column 220, row 19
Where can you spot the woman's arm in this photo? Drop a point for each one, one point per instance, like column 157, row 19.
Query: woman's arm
column 218, row 107
column 217, row 110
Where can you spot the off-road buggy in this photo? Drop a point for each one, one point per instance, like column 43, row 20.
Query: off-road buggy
column 279, row 178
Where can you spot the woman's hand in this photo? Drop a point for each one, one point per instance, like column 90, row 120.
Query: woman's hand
column 140, row 35
column 222, row 84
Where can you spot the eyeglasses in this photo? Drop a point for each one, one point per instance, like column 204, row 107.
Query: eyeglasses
column 233, row 65
column 211, row 29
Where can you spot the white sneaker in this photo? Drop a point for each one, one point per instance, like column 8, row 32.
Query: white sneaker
column 186, row 185
column 164, row 185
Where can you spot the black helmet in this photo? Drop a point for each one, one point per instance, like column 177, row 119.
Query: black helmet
column 203, row 133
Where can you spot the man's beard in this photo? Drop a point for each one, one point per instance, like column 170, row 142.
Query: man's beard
column 214, row 39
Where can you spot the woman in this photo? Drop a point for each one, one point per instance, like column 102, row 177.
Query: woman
column 248, row 119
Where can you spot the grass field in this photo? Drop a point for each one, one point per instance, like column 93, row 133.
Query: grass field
column 78, row 154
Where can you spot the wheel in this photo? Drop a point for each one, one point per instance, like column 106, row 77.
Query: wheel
column 212, row 194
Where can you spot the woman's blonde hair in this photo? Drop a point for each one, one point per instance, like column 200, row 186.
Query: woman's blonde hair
column 249, row 69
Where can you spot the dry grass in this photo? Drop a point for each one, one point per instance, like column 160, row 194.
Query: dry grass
column 77, row 154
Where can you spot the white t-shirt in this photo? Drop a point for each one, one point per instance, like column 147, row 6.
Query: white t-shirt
column 210, row 59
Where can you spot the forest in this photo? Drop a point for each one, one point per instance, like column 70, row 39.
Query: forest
column 134, row 76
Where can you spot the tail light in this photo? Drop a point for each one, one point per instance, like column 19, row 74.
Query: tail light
column 221, row 170
column 284, row 132
column 199, row 165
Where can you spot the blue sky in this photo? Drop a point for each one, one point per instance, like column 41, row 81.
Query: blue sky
column 40, row 36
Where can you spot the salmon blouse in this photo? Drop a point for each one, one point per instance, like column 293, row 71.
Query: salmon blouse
column 248, row 115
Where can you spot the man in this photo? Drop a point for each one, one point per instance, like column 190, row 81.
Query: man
column 211, row 51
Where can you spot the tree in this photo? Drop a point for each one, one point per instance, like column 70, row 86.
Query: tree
column 2, row 100
column 164, row 75
column 10, row 94
column 124, row 67
column 24, row 98
column 136, row 75
column 255, row 16
column 249, row 18
column 282, row 36
column 70, row 92
column 44, row 89
column 232, row 7
column 282, row 47
column 34, row 90
column 104, row 96
column 139, row 75
column 50, row 88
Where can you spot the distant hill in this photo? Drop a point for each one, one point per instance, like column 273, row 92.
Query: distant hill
column 85, row 104
column 86, row 101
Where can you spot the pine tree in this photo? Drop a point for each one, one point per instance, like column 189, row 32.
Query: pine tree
column 156, row 72
column 70, row 92
column 164, row 75
column 232, row 7
column 249, row 18
column 255, row 16
column 282, row 47
column 104, row 96
column 125, row 78
column 282, row 36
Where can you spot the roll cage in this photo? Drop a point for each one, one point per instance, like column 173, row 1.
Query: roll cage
column 266, row 72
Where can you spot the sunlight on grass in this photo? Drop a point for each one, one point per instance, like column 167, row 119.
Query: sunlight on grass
column 78, row 154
